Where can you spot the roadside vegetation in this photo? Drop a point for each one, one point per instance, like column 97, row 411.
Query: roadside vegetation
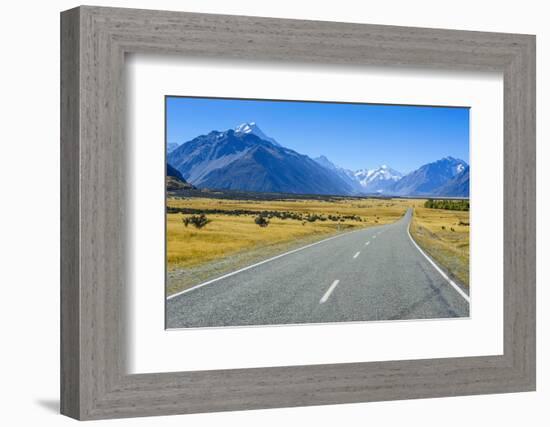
column 450, row 205
column 209, row 237
column 198, row 221
column 444, row 233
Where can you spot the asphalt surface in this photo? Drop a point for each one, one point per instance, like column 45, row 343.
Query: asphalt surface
column 371, row 274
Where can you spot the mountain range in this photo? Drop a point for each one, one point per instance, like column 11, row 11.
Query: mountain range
column 245, row 158
column 431, row 178
column 240, row 160
column 379, row 180
column 345, row 174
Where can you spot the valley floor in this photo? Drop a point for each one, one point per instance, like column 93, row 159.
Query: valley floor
column 233, row 240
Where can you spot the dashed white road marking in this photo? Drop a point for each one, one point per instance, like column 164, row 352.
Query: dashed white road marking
column 259, row 263
column 374, row 237
column 367, row 243
column 328, row 292
column 356, row 255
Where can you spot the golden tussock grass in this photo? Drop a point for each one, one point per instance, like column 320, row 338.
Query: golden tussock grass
column 230, row 234
column 445, row 236
column 230, row 241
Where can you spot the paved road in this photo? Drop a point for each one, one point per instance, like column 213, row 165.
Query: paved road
column 371, row 274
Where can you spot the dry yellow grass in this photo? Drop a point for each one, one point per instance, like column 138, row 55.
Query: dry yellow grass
column 446, row 238
column 367, row 208
column 230, row 242
column 230, row 234
column 225, row 235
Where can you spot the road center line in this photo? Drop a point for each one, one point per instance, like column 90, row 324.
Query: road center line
column 260, row 263
column 329, row 291
column 356, row 255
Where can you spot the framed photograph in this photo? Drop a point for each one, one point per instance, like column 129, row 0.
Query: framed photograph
column 296, row 238
column 262, row 213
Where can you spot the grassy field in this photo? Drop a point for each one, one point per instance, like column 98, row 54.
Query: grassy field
column 445, row 235
column 231, row 241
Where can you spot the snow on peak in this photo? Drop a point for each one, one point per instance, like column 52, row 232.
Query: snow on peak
column 382, row 173
column 252, row 128
column 246, row 127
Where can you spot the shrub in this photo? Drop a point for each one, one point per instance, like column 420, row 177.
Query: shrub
column 198, row 221
column 261, row 220
column 454, row 205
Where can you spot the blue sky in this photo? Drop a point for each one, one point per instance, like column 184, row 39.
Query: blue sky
column 353, row 136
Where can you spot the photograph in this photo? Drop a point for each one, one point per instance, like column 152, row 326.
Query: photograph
column 293, row 212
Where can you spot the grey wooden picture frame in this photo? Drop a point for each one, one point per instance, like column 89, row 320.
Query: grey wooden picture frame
column 94, row 42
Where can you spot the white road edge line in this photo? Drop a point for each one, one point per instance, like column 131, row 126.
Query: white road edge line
column 259, row 263
column 356, row 255
column 453, row 284
column 328, row 292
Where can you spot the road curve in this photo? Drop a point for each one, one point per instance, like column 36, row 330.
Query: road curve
column 371, row 274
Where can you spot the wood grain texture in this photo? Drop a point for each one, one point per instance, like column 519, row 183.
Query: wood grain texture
column 70, row 313
column 94, row 272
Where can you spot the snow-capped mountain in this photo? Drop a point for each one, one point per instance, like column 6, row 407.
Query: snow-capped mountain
column 246, row 159
column 241, row 160
column 252, row 128
column 378, row 180
column 429, row 178
column 448, row 177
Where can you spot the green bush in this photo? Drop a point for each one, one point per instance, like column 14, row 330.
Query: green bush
column 453, row 205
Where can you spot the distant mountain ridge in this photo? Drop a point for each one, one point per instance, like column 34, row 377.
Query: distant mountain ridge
column 429, row 178
column 345, row 174
column 378, row 180
column 175, row 180
column 239, row 160
column 244, row 158
column 458, row 186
